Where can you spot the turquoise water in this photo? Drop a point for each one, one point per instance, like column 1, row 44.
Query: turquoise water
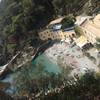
column 32, row 71
column 48, row 64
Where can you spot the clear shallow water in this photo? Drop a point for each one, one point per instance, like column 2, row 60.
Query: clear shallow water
column 32, row 71
column 48, row 64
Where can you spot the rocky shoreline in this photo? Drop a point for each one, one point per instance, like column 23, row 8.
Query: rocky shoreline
column 72, row 56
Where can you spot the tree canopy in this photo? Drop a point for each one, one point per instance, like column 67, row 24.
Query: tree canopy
column 22, row 16
column 68, row 22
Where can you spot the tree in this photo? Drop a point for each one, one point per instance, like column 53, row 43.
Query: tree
column 78, row 31
column 85, row 88
column 98, row 43
column 22, row 17
column 68, row 22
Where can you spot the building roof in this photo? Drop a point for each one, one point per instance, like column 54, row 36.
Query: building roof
column 81, row 41
column 97, row 17
column 69, row 29
column 93, row 26
column 97, row 21
column 81, row 19
column 93, row 29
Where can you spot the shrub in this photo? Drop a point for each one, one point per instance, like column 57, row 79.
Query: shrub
column 78, row 31
column 68, row 22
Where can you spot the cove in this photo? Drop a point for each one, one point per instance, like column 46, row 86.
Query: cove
column 48, row 64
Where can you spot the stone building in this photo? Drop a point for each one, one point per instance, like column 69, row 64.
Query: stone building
column 54, row 31
column 90, row 27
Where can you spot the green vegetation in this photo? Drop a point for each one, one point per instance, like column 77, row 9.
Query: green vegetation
column 65, row 7
column 98, row 44
column 98, row 40
column 85, row 88
column 11, row 46
column 25, row 18
column 78, row 88
column 78, row 31
column 22, row 17
column 68, row 22
column 34, row 79
column 94, row 7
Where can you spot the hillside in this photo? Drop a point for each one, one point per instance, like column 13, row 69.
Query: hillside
column 20, row 19
column 21, row 47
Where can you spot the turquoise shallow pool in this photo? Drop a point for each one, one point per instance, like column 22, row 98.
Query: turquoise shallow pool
column 41, row 66
column 47, row 63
